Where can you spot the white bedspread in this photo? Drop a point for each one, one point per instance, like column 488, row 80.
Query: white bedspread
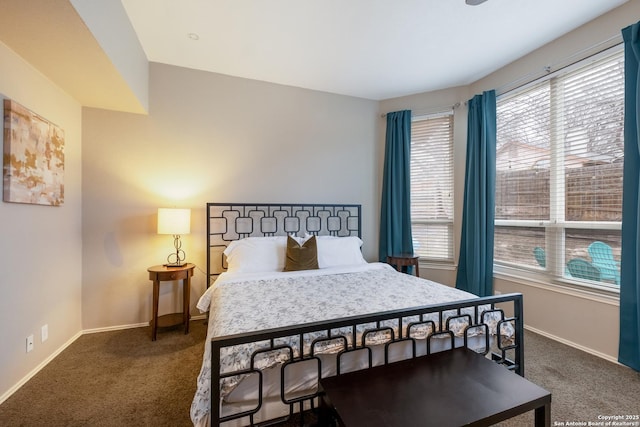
column 245, row 302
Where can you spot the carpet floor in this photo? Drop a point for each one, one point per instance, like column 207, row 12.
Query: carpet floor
column 122, row 378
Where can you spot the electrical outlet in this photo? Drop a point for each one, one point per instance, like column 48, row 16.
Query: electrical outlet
column 29, row 343
column 44, row 333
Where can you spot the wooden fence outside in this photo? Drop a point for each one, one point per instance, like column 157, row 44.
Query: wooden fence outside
column 592, row 193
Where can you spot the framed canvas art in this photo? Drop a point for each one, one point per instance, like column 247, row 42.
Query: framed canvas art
column 33, row 158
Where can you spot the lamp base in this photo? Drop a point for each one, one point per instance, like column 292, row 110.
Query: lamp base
column 181, row 264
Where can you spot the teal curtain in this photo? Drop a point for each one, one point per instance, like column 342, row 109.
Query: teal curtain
column 475, row 265
column 629, row 347
column 395, row 215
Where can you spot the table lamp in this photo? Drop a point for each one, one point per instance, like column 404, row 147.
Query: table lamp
column 176, row 222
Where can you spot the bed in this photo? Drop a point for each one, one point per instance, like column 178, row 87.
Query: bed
column 272, row 334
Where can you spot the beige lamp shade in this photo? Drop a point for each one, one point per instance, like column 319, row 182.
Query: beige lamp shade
column 174, row 221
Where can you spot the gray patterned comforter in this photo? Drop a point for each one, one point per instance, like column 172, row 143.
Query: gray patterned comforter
column 245, row 302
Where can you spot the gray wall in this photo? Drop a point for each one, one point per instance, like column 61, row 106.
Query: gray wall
column 580, row 318
column 40, row 246
column 207, row 138
column 210, row 137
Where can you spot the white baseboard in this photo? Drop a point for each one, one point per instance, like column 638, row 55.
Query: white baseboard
column 38, row 368
column 573, row 344
column 53, row 355
column 114, row 328
column 131, row 326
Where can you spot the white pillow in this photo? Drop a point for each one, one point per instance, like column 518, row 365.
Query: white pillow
column 256, row 254
column 338, row 251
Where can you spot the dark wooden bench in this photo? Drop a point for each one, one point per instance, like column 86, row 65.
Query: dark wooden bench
column 452, row 388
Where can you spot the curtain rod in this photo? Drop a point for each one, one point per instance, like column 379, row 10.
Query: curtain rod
column 427, row 112
column 530, row 77
column 559, row 65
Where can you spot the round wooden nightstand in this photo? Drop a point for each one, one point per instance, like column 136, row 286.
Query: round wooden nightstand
column 404, row 260
column 162, row 273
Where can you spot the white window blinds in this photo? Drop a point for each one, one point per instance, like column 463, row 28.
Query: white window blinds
column 589, row 131
column 432, row 186
column 559, row 171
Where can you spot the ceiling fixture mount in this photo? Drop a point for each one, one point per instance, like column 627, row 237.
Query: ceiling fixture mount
column 193, row 36
column 474, row 2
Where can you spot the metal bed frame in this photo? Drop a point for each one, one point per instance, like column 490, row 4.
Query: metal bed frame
column 230, row 221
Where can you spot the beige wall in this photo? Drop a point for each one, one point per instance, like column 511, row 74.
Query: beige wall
column 41, row 246
column 435, row 102
column 578, row 318
column 208, row 138
column 112, row 29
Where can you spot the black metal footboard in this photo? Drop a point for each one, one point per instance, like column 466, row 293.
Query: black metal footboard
column 491, row 325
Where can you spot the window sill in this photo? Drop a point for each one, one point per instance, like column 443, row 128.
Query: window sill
column 603, row 294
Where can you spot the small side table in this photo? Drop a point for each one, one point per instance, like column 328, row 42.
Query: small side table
column 404, row 260
column 162, row 273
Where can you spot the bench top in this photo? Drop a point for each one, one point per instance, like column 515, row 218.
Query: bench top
column 451, row 388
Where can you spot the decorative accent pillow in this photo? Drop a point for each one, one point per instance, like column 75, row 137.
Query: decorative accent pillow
column 301, row 257
column 338, row 251
column 256, row 254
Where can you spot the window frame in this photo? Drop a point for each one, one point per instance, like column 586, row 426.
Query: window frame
column 556, row 226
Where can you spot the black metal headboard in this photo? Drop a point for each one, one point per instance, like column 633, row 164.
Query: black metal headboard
column 232, row 221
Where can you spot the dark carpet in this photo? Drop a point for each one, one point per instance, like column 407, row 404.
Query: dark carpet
column 118, row 378
column 122, row 378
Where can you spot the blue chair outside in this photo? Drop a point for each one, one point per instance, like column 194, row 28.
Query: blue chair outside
column 541, row 257
column 538, row 252
column 602, row 257
column 583, row 269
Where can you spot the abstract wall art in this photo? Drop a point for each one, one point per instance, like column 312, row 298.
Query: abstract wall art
column 33, row 158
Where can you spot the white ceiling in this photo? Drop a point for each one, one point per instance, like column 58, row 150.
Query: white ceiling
column 375, row 49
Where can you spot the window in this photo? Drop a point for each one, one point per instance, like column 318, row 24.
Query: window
column 432, row 186
column 559, row 174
